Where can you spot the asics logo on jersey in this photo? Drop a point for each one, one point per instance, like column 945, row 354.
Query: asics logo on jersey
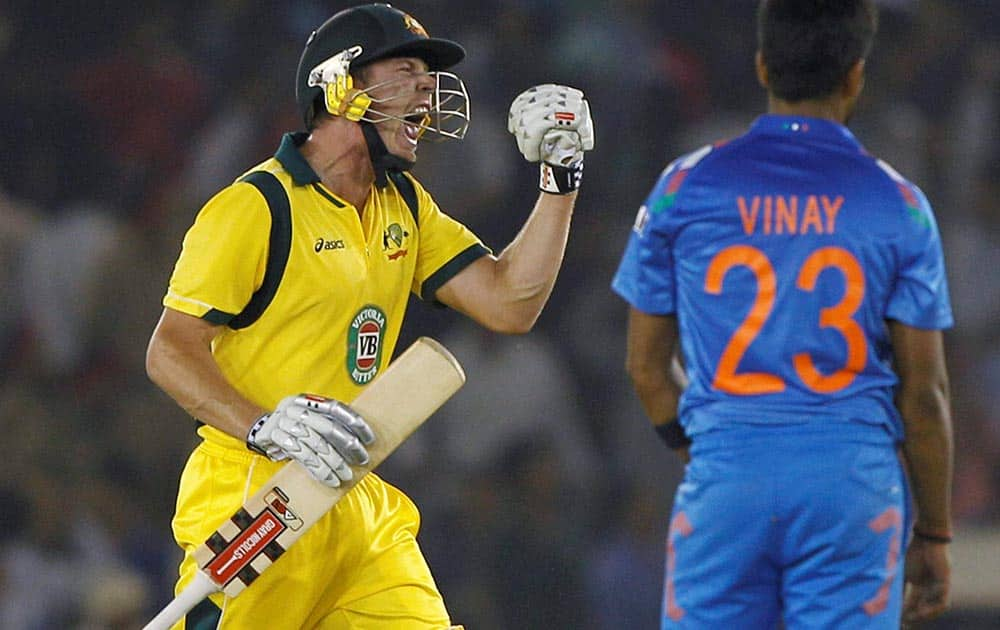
column 323, row 244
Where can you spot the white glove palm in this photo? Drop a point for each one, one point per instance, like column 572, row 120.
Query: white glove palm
column 552, row 125
column 324, row 435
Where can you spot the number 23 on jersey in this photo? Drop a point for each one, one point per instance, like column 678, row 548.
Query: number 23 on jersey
column 837, row 317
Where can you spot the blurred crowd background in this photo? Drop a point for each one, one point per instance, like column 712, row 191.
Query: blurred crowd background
column 544, row 493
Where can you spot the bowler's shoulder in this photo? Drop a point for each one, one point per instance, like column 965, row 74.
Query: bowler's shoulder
column 904, row 194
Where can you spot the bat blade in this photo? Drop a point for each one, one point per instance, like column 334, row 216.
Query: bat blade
column 395, row 404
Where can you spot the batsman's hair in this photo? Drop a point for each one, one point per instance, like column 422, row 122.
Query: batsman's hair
column 810, row 45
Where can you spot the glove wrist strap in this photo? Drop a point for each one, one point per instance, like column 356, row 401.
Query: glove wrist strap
column 252, row 435
column 560, row 180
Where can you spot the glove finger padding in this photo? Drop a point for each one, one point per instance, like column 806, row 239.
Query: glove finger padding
column 326, row 442
column 324, row 462
column 338, row 412
column 543, row 96
column 543, row 108
column 338, row 437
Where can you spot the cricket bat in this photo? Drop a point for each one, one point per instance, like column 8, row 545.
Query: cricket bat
column 398, row 401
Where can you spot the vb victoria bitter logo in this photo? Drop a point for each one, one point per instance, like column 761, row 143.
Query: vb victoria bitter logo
column 364, row 344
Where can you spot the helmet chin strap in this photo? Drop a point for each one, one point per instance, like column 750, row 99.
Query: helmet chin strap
column 382, row 160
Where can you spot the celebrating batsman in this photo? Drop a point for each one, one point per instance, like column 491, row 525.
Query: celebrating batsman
column 288, row 298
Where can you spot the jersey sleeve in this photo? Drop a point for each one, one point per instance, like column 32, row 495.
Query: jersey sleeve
column 920, row 295
column 645, row 276
column 446, row 247
column 224, row 256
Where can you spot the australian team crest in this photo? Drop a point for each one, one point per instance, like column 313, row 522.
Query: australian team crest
column 393, row 238
column 365, row 339
column 414, row 26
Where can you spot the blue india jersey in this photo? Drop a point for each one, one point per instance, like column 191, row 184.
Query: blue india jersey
column 782, row 254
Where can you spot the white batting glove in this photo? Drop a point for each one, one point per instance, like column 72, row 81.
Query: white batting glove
column 552, row 125
column 324, row 435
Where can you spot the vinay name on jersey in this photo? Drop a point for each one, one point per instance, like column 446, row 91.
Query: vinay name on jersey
column 789, row 214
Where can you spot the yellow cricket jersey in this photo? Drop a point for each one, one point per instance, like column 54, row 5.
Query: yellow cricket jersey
column 335, row 316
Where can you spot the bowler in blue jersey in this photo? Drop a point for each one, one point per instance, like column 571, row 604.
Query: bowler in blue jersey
column 787, row 295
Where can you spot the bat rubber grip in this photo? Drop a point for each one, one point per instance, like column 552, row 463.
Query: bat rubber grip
column 200, row 587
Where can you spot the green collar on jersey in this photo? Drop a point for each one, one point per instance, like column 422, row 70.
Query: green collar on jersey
column 296, row 165
column 302, row 174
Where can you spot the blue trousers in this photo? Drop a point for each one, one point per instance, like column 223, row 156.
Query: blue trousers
column 777, row 525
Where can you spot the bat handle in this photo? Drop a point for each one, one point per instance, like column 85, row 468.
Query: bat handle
column 200, row 587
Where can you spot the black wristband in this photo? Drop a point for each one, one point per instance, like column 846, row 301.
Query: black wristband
column 672, row 433
column 560, row 180
column 935, row 538
column 252, row 434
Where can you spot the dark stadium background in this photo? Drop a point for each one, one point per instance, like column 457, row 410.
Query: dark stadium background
column 545, row 496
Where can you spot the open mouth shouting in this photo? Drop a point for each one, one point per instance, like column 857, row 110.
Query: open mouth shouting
column 416, row 123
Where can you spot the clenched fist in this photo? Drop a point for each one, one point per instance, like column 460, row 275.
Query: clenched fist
column 324, row 435
column 552, row 125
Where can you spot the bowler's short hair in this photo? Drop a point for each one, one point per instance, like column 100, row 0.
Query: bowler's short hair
column 810, row 45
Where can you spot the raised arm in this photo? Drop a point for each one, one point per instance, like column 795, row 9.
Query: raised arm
column 507, row 293
column 924, row 402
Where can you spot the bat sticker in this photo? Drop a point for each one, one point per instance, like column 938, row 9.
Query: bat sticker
column 278, row 501
column 243, row 549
